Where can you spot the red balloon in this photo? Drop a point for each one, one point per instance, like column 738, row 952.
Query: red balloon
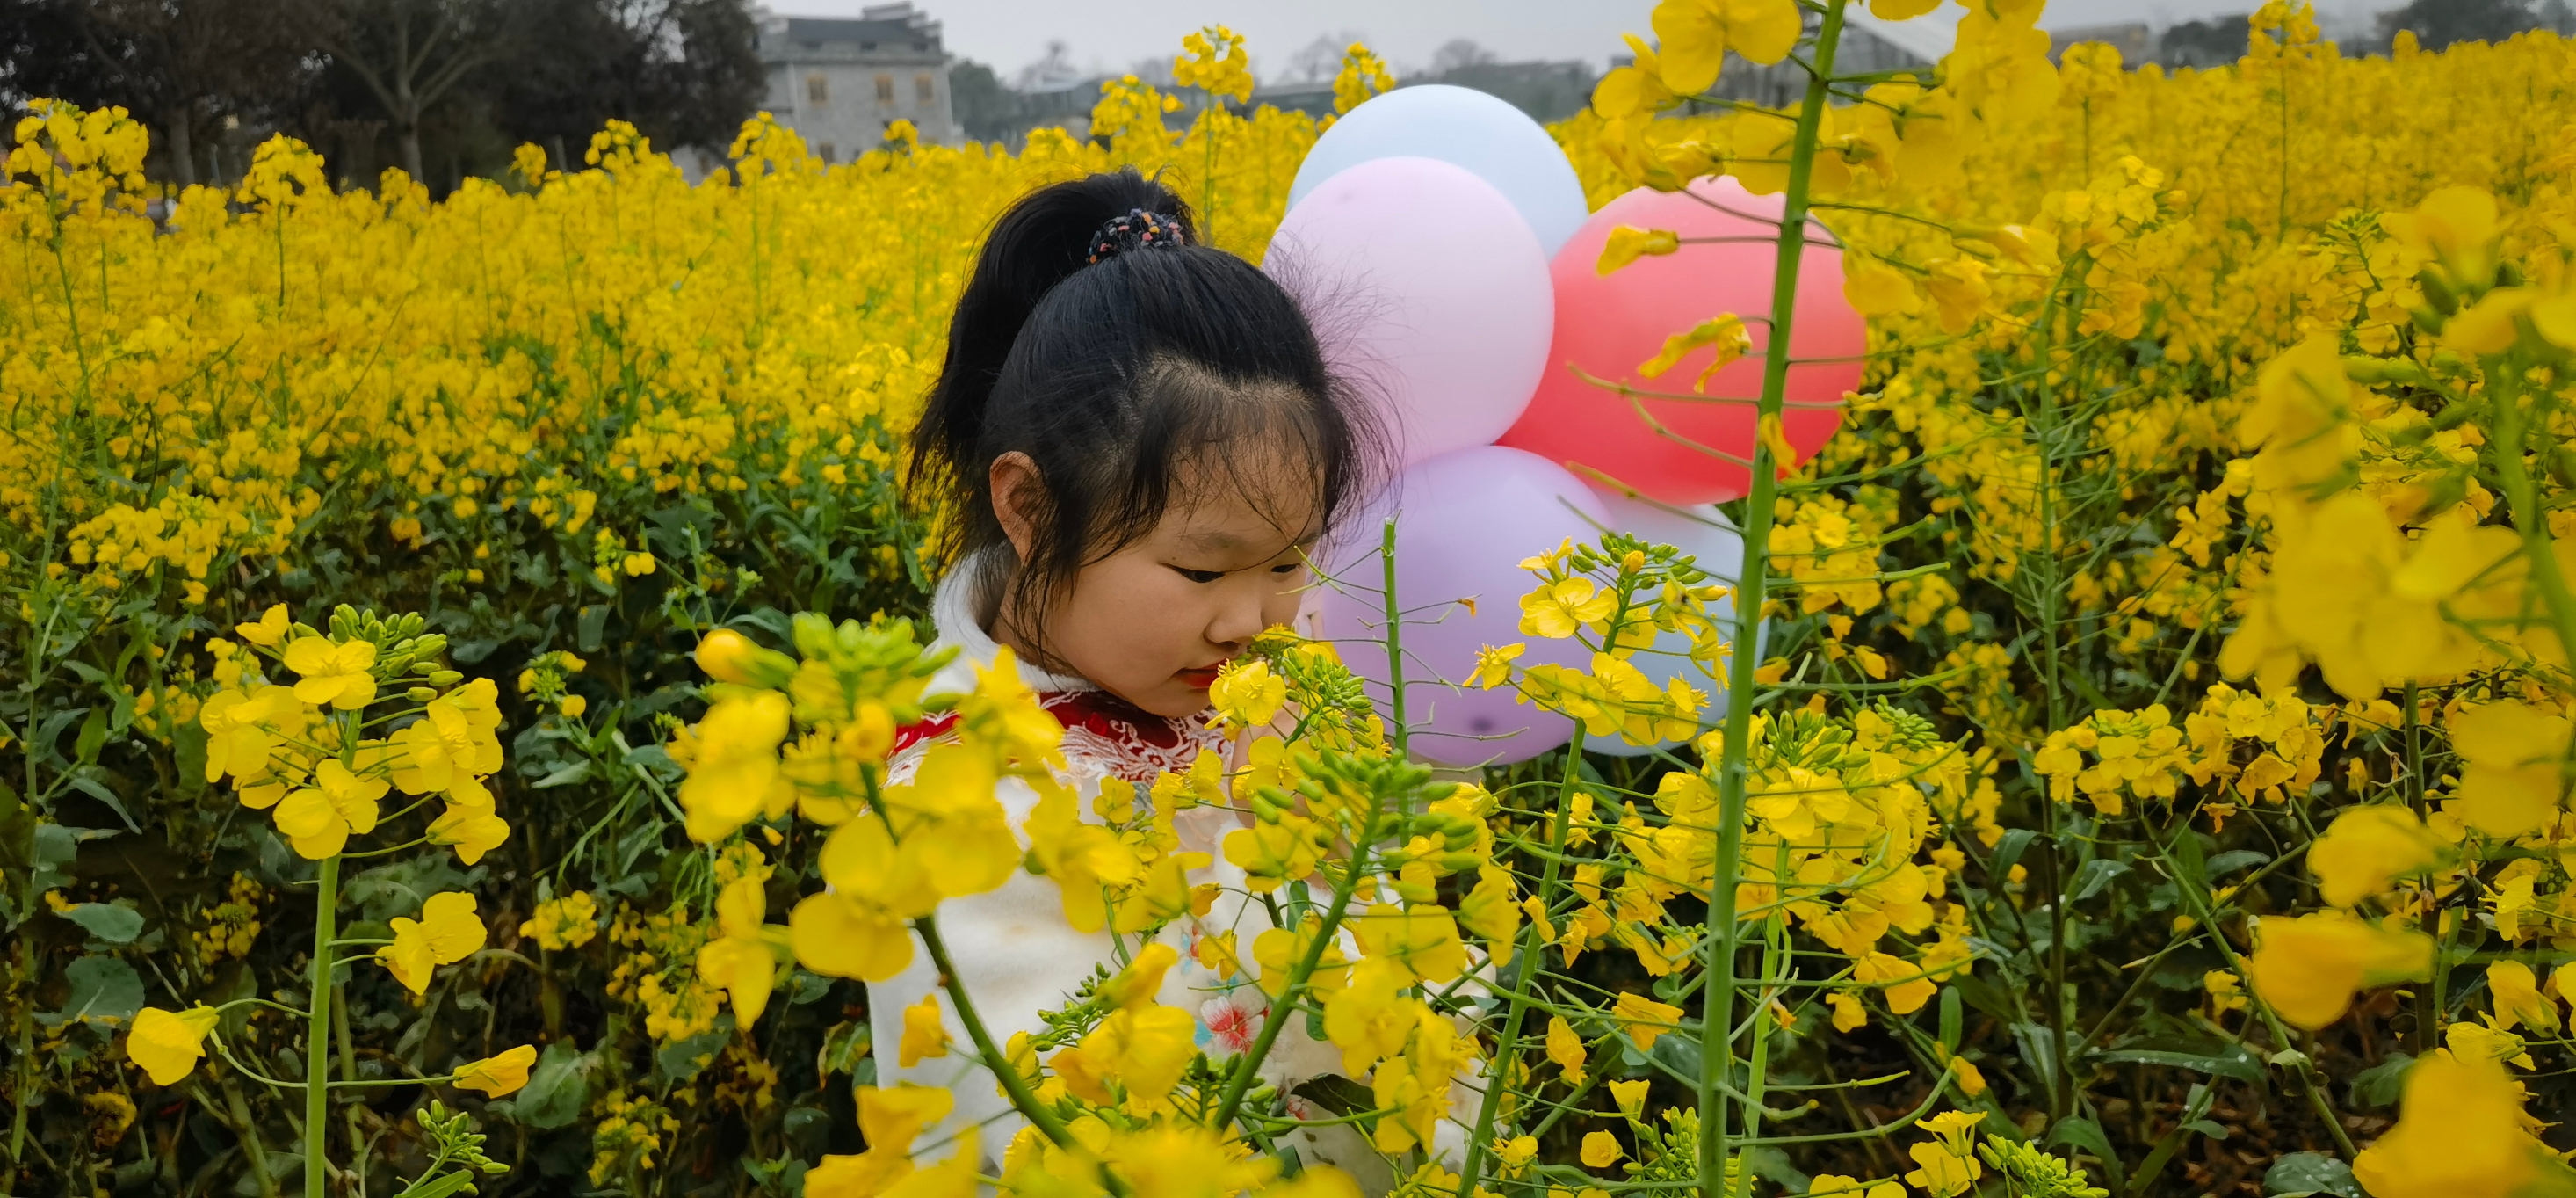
column 1610, row 325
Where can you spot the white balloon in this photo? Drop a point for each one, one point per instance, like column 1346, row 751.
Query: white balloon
column 1469, row 128
column 1707, row 536
column 1427, row 289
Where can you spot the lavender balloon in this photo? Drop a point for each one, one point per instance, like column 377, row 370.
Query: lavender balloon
column 1704, row 533
column 1464, row 522
column 1428, row 289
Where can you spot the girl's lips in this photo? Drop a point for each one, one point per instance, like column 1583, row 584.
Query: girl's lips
column 1202, row 677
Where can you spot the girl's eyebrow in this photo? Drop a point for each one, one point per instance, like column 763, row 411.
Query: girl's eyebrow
column 1218, row 541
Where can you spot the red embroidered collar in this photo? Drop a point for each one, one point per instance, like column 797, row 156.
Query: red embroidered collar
column 1101, row 731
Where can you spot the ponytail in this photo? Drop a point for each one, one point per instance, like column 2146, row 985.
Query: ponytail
column 1127, row 361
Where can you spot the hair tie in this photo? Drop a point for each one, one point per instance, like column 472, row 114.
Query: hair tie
column 1138, row 229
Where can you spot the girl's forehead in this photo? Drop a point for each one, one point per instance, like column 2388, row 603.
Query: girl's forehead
column 1252, row 501
column 1231, row 521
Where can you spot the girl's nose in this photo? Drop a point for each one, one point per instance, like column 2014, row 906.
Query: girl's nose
column 1237, row 619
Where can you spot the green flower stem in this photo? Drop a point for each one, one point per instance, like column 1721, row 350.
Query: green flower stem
column 349, row 1073
column 2505, row 384
column 1395, row 637
column 1507, row 1046
column 1284, row 1007
column 1775, row 967
column 317, row 1030
column 246, row 1071
column 253, row 1147
column 1013, row 1085
column 2195, row 890
column 222, row 1007
column 2422, row 1040
column 1717, row 1059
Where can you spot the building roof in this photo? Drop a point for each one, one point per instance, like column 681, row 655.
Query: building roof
column 1928, row 37
column 828, row 29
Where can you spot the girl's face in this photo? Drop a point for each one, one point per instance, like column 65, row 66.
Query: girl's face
column 1152, row 622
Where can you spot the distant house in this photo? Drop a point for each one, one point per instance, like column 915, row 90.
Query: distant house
column 1868, row 44
column 1314, row 97
column 840, row 82
column 2136, row 42
column 2213, row 42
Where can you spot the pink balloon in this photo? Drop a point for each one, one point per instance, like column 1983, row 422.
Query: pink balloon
column 1464, row 522
column 1609, row 325
column 1429, row 290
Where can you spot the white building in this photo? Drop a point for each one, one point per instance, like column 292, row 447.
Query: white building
column 839, row 82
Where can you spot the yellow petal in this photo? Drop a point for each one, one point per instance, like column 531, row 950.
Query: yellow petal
column 496, row 1076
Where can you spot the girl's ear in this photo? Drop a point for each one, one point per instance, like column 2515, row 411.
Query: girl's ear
column 1017, row 497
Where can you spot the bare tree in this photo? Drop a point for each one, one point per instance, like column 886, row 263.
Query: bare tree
column 183, row 64
column 411, row 54
column 685, row 72
column 1457, row 54
column 1321, row 58
column 1056, row 67
column 1155, row 69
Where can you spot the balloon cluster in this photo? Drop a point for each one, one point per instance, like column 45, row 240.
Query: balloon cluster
column 1444, row 245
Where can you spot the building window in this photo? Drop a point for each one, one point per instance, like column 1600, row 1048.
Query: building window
column 816, row 91
column 923, row 90
column 885, row 91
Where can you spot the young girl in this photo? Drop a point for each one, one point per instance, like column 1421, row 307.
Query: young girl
column 1139, row 439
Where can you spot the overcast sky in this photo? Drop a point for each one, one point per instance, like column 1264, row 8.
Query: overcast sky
column 1007, row 34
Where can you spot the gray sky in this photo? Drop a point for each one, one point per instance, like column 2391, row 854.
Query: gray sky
column 1007, row 34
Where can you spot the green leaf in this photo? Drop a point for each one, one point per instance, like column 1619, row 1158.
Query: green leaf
column 1337, row 1095
column 2086, row 1134
column 2235, row 859
column 441, row 1186
column 844, row 1047
column 93, row 734
column 2096, row 875
column 86, row 781
column 565, row 776
column 107, row 921
column 2311, row 1173
column 2008, row 851
column 557, row 1088
column 189, row 747
column 2186, row 855
column 2379, row 1085
column 103, row 989
column 682, row 1059
column 2236, row 1063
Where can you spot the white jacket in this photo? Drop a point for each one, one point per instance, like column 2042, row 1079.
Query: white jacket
column 1017, row 956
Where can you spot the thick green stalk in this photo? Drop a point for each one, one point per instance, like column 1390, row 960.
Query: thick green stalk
column 1014, row 1086
column 2504, row 384
column 1394, row 638
column 1282, row 1008
column 1507, row 1045
column 2196, row 892
column 1717, row 1013
column 1775, row 967
column 317, row 1031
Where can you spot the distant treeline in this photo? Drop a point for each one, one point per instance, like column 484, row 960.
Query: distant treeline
column 441, row 88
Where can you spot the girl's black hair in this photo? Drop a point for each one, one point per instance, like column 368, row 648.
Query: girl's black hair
column 1130, row 381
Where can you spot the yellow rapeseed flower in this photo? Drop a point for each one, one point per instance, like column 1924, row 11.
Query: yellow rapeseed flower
column 499, row 1075
column 448, row 931
column 333, row 673
column 168, row 1044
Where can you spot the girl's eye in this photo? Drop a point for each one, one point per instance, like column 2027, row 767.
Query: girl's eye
column 1287, row 567
column 1200, row 576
